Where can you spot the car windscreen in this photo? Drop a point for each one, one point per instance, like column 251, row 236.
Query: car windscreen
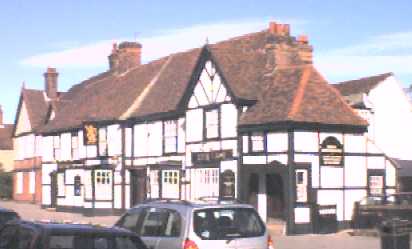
column 6, row 217
column 94, row 242
column 227, row 223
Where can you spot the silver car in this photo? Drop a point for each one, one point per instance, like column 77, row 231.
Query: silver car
column 176, row 224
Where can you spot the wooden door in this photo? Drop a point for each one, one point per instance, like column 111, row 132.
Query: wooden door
column 138, row 186
column 53, row 189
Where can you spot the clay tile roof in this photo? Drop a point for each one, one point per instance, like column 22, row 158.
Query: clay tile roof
column 37, row 106
column 6, row 133
column 362, row 85
column 300, row 94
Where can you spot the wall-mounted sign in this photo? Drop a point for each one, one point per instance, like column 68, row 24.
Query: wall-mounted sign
column 90, row 134
column 212, row 156
column 331, row 152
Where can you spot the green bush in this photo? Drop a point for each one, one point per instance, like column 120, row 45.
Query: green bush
column 6, row 185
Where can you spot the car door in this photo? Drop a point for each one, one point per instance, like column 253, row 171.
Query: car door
column 173, row 229
column 149, row 226
column 8, row 237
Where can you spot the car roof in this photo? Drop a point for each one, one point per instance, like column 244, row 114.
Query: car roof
column 201, row 204
column 5, row 210
column 61, row 229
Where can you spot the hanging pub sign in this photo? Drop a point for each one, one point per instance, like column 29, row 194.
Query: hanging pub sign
column 212, row 156
column 90, row 134
column 331, row 152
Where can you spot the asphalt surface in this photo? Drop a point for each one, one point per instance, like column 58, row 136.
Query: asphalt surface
column 340, row 240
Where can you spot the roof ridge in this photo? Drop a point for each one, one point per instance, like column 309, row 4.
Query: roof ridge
column 139, row 99
column 387, row 74
column 297, row 100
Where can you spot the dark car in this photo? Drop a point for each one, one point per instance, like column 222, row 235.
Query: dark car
column 37, row 235
column 7, row 215
column 372, row 210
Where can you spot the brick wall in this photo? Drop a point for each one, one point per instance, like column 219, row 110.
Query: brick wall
column 25, row 166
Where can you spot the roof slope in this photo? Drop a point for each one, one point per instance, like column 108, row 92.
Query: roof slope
column 362, row 85
column 37, row 107
column 6, row 133
column 300, row 94
column 297, row 94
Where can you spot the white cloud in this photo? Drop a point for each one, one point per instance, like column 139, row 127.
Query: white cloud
column 158, row 45
column 379, row 54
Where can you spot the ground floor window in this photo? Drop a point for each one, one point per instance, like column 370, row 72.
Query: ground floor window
column 19, row 184
column 32, row 182
column 103, row 184
column 205, row 182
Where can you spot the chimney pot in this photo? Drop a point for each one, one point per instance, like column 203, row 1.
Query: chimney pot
column 279, row 29
column 303, row 39
column 50, row 82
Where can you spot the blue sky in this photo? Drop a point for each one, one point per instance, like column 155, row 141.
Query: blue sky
column 351, row 39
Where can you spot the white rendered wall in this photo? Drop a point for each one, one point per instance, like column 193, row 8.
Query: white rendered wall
column 392, row 119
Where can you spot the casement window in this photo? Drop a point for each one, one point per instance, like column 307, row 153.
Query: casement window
column 257, row 141
column 56, row 147
column 212, row 123
column 77, row 186
column 75, row 146
column 103, row 177
column 103, row 149
column 170, row 136
column 19, row 187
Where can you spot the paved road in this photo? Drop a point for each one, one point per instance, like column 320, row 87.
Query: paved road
column 34, row 212
column 333, row 241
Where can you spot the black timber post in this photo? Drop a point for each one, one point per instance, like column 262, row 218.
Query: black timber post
column 123, row 170
column 291, row 186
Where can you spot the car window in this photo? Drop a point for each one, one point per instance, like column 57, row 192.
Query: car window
column 129, row 220
column 159, row 222
column 225, row 223
column 78, row 242
column 6, row 217
column 129, row 243
column 25, row 238
column 7, row 237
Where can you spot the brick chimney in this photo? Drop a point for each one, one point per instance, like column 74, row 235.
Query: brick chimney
column 285, row 50
column 50, row 83
column 125, row 56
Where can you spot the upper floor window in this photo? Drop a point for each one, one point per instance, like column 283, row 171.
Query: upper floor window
column 257, row 141
column 212, row 123
column 170, row 136
column 103, row 142
column 75, row 146
column 56, row 147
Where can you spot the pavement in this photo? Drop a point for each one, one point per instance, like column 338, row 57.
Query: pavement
column 341, row 240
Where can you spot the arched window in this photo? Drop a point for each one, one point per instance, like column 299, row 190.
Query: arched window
column 77, row 186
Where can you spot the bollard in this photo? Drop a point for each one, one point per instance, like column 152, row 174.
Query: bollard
column 394, row 234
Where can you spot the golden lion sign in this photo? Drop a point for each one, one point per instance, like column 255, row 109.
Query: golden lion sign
column 90, row 134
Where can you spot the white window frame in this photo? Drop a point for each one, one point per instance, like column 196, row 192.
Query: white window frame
column 170, row 136
column 212, row 123
column 257, row 141
column 103, row 145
